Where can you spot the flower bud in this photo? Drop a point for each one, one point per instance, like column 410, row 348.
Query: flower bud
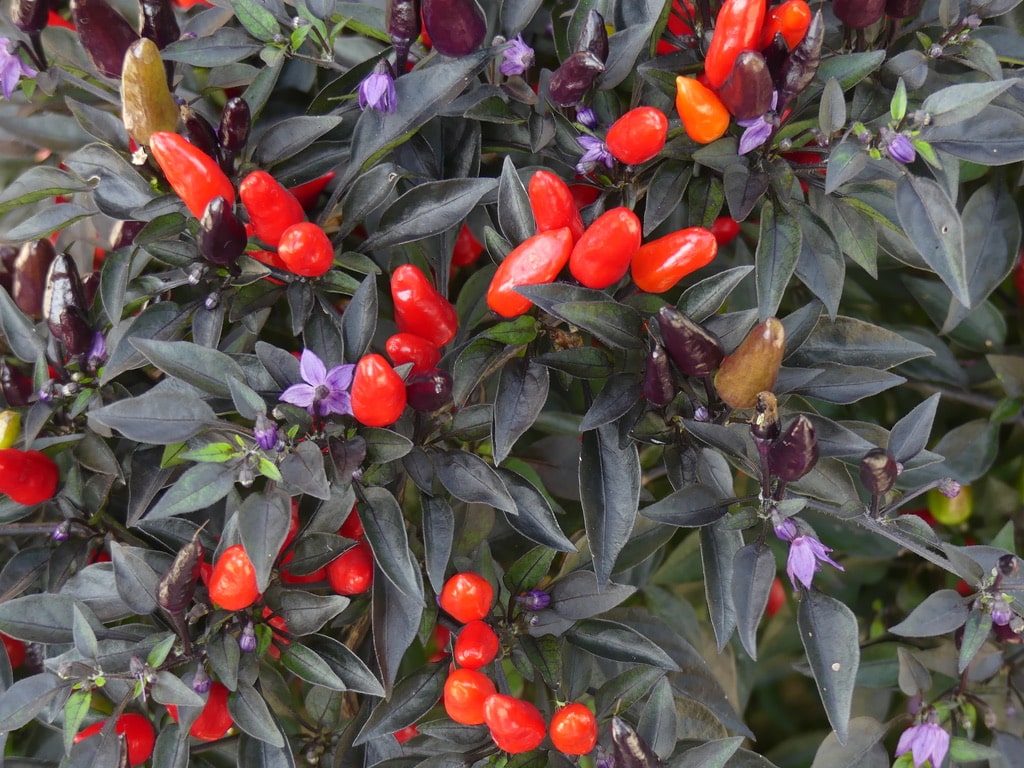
column 247, row 640
column 795, row 453
column 429, row 391
column 747, row 91
column 573, row 78
column 534, row 600
column 753, row 367
column 593, row 37
column 456, row 27
column 658, row 386
column 1001, row 613
column 765, row 424
column 695, row 350
column 878, row 471
column 950, row 488
column 201, row 682
column 62, row 531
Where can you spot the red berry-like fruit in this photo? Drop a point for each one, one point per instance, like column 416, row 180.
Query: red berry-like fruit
column 476, row 645
column 574, row 729
column 233, row 581
column 15, row 650
column 214, row 720
column 776, row 598
column 467, row 596
column 352, row 572
column 515, row 725
column 137, row 731
column 465, row 692
column 638, row 135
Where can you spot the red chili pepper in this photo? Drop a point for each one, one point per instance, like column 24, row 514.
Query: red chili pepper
column 378, row 393
column 602, row 255
column 467, row 248
column 678, row 25
column 553, row 204
column 737, row 28
column 307, row 194
column 725, row 229
column 233, row 581
column 791, row 20
column 193, row 175
column 138, row 734
column 409, row 348
column 214, row 720
column 306, row 250
column 271, row 207
column 516, row 725
column 704, row 116
column 420, row 309
column 27, row 477
column 584, row 194
column 662, row 263
column 638, row 135
column 535, row 261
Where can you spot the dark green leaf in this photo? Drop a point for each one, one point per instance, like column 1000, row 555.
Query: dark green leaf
column 693, row 506
column 385, row 532
column 593, row 311
column 620, row 393
column 250, row 713
column 412, row 698
column 289, row 137
column 751, row 582
column 50, row 219
column 39, row 183
column 941, row 612
column 136, row 581
column 909, row 436
column 521, row 395
column 821, row 266
column 19, row 331
column 359, row 322
column 256, row 753
column 665, row 192
column 829, row 632
column 471, row 479
column 346, row 664
column 200, row 486
column 535, row 519
column 20, row 703
column 120, row 189
column 580, row 362
column 224, row 46
column 307, row 665
column 933, row 225
column 703, row 299
column 855, row 342
column 718, row 548
column 205, row 368
column 713, row 754
column 743, row 189
column 861, row 750
column 956, row 103
column 159, row 418
column 367, row 193
column 428, row 209
column 612, row 640
column 305, row 612
column 515, row 216
column 438, row 536
column 163, row 321
column 396, row 623
column 846, row 384
column 257, row 20
column 303, row 469
column 263, row 521
column 778, row 249
column 976, row 632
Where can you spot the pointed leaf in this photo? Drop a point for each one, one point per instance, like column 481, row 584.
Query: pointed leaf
column 933, row 225
column 612, row 640
column 385, row 532
column 909, row 435
column 938, row 614
column 263, row 522
column 520, row 398
column 751, row 584
column 428, row 209
column 159, row 418
column 829, row 632
column 250, row 713
column 200, row 486
column 778, row 248
column 471, row 479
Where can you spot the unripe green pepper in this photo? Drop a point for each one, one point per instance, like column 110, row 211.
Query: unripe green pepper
column 753, row 367
column 146, row 102
column 795, row 452
column 694, row 349
column 747, row 91
column 951, row 511
column 104, row 33
column 64, row 306
column 574, row 77
column 593, row 37
column 10, row 426
column 29, row 276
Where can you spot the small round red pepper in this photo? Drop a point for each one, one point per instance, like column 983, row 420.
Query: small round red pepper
column 662, row 263
column 602, row 256
column 306, row 250
column 410, row 348
column 790, row 19
column 420, row 308
column 638, row 135
column 725, row 229
column 233, row 581
column 378, row 393
column 553, row 204
column 467, row 248
column 28, row 477
column 271, row 207
column 535, row 261
column 737, row 28
column 193, row 175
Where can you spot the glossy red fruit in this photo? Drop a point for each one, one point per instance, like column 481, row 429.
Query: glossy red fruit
column 378, row 393
column 193, row 175
column 737, row 28
column 476, row 645
column 137, row 731
column 410, row 348
column 467, row 597
column 437, row 648
column 352, row 528
column 465, row 692
column 553, row 204
column 402, row 735
column 601, row 257
column 776, row 597
column 214, row 720
column 789, row 19
column 272, row 208
column 28, row 477
column 574, row 729
column 516, row 726
column 420, row 308
column 352, row 572
column 307, row 194
column 725, row 229
column 306, row 250
column 467, row 248
column 15, row 650
column 535, row 261
column 658, row 265
column 637, row 136
column 233, row 581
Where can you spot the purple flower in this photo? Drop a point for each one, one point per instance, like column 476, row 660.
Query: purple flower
column 786, row 530
column 759, row 129
column 900, row 149
column 377, row 90
column 265, row 432
column 595, row 153
column 98, row 350
column 324, row 391
column 1001, row 613
column 516, row 58
column 201, row 682
column 534, row 600
column 61, row 532
column 247, row 640
column 586, row 116
column 950, row 488
column 12, row 68
column 805, row 555
column 926, row 741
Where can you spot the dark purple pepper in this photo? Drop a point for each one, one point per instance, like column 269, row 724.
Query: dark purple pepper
column 878, row 471
column 178, row 585
column 902, row 9
column 403, row 29
column 573, row 78
column 90, row 284
column 858, row 14
column 104, row 33
column 593, row 37
column 695, row 350
column 629, row 750
column 233, row 131
column 28, row 281
column 775, row 56
column 199, row 132
column 765, row 423
column 747, row 91
column 222, row 236
column 30, row 15
column 17, row 387
column 124, row 233
column 456, row 27
column 658, row 387
column 158, row 23
column 64, row 306
column 795, row 452
column 429, row 391
column 802, row 63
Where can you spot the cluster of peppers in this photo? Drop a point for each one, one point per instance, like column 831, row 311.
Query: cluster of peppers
column 758, row 61
column 598, row 256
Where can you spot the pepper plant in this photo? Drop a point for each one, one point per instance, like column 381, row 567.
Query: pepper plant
column 622, row 383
